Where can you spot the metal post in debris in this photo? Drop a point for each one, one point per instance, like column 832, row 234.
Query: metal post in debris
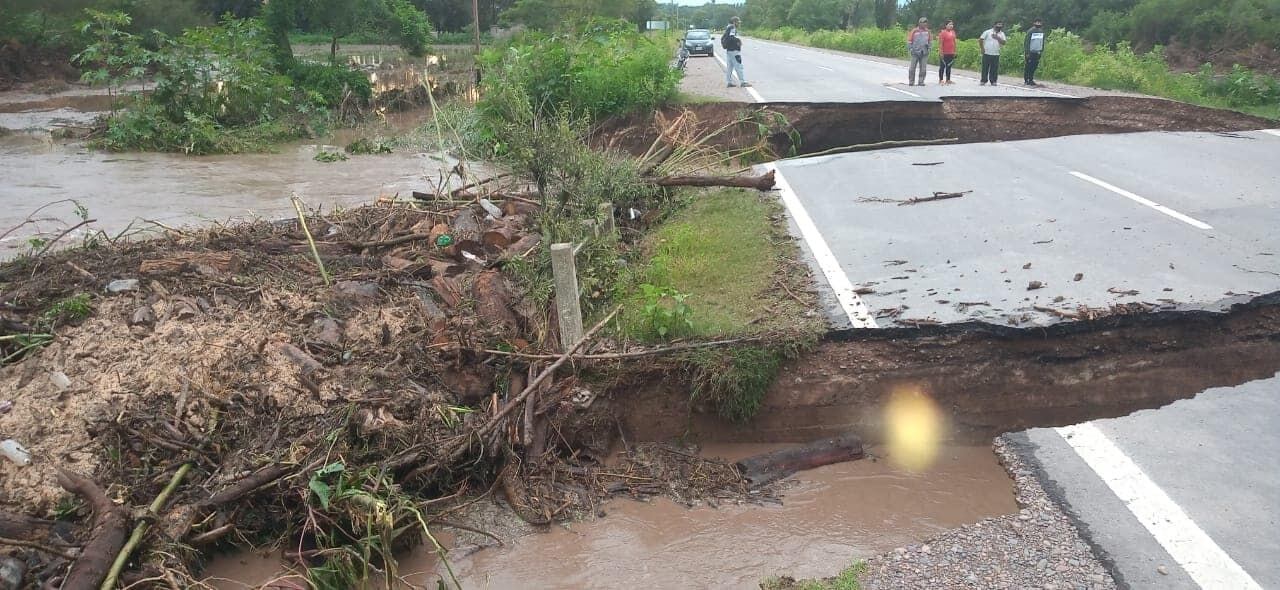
column 568, row 307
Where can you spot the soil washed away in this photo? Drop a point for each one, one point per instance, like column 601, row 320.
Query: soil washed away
column 830, row 517
column 812, row 128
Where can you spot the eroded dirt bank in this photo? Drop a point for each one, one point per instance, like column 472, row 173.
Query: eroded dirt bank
column 824, row 126
column 987, row 381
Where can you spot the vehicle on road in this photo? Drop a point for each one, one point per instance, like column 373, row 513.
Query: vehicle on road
column 698, row 42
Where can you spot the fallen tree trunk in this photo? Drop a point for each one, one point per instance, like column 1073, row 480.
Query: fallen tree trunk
column 772, row 466
column 106, row 534
column 762, row 182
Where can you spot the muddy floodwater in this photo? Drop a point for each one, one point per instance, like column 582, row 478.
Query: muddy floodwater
column 831, row 517
column 133, row 188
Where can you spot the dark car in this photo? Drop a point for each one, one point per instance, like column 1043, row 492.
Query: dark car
column 698, row 42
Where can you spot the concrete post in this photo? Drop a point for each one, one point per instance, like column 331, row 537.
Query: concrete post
column 606, row 218
column 568, row 307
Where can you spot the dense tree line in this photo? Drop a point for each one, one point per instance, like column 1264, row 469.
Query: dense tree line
column 1201, row 24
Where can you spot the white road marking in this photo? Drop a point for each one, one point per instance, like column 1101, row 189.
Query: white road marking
column 1193, row 549
column 903, row 91
column 750, row 90
column 826, row 68
column 1275, row 132
column 1154, row 205
column 857, row 312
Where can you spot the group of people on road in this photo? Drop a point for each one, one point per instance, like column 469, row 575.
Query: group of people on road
column 920, row 42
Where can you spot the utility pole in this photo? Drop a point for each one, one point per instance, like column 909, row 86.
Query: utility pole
column 475, row 21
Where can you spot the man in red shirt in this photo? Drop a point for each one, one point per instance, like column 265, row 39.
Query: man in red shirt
column 947, row 47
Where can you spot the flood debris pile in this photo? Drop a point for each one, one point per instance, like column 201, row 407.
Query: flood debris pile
column 325, row 385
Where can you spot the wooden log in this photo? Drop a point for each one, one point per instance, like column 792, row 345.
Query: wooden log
column 519, row 207
column 772, row 466
column 525, row 244
column 494, row 301
column 207, row 263
column 21, row 526
column 503, row 232
column 106, row 534
column 762, row 182
column 447, row 290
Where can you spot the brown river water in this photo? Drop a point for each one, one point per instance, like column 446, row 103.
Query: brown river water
column 832, row 516
column 124, row 192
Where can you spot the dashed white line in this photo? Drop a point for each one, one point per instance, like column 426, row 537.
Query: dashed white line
column 1275, row 132
column 852, row 305
column 1193, row 549
column 903, row 91
column 1154, row 205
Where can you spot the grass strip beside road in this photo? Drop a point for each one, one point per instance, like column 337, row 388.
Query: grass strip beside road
column 729, row 254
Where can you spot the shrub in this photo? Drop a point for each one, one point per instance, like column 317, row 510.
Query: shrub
column 604, row 69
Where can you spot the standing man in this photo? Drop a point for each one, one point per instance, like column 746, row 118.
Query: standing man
column 991, row 41
column 918, row 43
column 732, row 45
column 1031, row 50
column 947, row 46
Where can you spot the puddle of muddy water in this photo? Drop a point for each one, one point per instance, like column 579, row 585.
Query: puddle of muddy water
column 831, row 517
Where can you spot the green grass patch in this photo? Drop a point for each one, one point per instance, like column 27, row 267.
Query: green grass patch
column 846, row 580
column 723, row 253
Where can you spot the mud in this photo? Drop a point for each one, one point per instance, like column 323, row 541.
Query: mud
column 986, row 380
column 824, row 126
column 830, row 517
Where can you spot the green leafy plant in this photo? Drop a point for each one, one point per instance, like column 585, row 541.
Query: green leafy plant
column 665, row 311
column 329, row 157
column 368, row 146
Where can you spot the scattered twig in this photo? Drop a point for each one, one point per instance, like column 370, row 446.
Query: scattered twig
column 82, row 271
column 1057, row 312
column 302, row 220
column 926, row 163
column 937, row 196
column 63, row 552
column 396, row 241
column 140, row 530
column 50, row 243
column 463, row 527
column 462, row 189
column 456, row 449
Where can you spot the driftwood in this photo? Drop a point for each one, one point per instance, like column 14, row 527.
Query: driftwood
column 937, row 196
column 21, row 527
column 769, row 467
column 106, row 533
column 762, row 182
column 207, row 263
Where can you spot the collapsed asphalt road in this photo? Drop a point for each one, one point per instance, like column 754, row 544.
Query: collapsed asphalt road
column 1068, row 229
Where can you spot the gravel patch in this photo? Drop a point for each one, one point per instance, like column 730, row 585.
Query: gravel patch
column 1038, row 547
column 704, row 80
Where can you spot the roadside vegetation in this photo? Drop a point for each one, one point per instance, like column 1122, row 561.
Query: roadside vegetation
column 846, row 580
column 1068, row 59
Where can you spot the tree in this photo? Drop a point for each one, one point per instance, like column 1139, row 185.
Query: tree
column 812, row 15
column 402, row 21
column 551, row 14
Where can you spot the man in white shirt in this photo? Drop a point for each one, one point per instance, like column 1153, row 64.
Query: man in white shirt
column 991, row 41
